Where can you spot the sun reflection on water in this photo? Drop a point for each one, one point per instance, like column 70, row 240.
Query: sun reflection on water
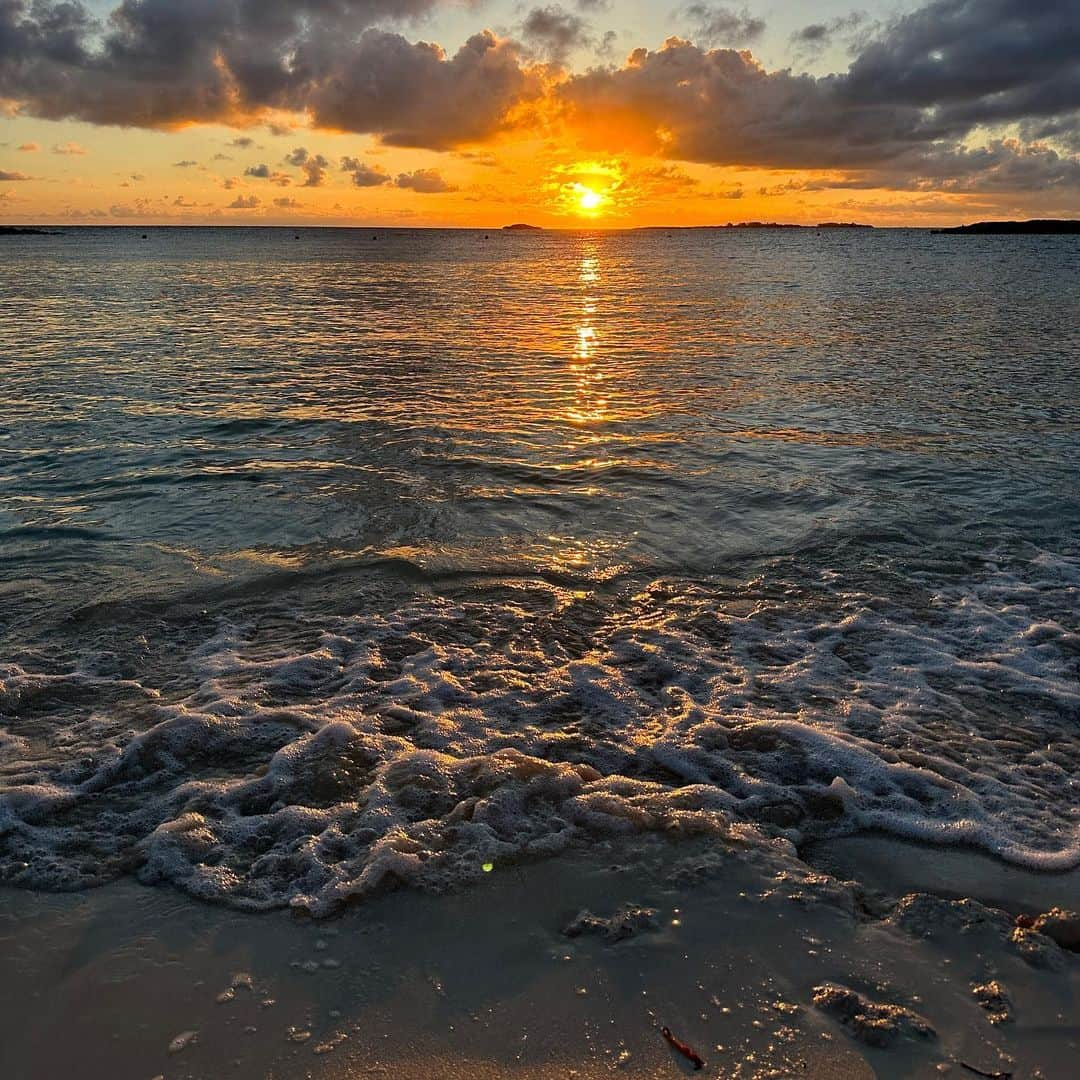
column 588, row 406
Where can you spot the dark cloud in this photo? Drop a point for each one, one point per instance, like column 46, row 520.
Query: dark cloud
column 244, row 202
column 313, row 166
column 185, row 164
column 813, row 38
column 554, row 32
column 717, row 25
column 364, row 175
column 264, row 172
column 11, row 176
column 930, row 83
column 157, row 63
column 416, row 95
column 975, row 62
column 921, row 95
column 424, row 181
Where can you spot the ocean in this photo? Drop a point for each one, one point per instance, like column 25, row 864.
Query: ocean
column 336, row 560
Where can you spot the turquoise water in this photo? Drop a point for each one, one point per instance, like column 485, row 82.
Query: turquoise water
column 336, row 557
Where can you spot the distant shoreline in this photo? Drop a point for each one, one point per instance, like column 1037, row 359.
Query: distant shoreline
column 1038, row 227
column 1041, row 227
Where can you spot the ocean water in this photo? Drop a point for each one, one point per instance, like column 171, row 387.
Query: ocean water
column 334, row 560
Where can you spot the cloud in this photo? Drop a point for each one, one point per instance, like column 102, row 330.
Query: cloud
column 264, row 172
column 928, row 85
column 415, row 95
column 555, row 32
column 244, row 202
column 718, row 25
column 30, row 148
column 364, row 175
column 424, row 181
column 314, row 167
column 163, row 63
column 813, row 38
column 185, row 164
column 69, row 149
column 288, row 204
column 11, row 176
column 922, row 93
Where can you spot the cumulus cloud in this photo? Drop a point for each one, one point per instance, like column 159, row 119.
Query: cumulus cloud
column 12, row 176
column 907, row 106
column 160, row 63
column 313, row 166
column 364, row 175
column 424, row 181
column 30, row 148
column 244, row 202
column 264, row 172
column 416, row 95
column 69, row 149
column 287, row 204
column 922, row 92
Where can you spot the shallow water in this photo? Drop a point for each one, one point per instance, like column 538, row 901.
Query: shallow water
column 336, row 558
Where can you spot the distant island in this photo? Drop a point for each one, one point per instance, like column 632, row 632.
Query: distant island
column 522, row 228
column 16, row 230
column 1038, row 227
column 767, row 225
column 782, row 225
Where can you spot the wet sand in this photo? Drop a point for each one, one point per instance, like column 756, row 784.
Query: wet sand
column 485, row 982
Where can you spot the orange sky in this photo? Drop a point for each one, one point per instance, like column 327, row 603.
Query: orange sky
column 681, row 132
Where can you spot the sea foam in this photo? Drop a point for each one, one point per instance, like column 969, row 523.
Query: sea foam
column 423, row 740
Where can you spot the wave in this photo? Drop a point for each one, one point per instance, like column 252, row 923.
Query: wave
column 298, row 758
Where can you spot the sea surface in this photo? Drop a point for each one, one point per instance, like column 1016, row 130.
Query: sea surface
column 333, row 560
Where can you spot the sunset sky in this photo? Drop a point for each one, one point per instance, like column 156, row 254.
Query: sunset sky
column 601, row 112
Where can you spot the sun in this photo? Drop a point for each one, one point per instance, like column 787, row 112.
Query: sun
column 587, row 189
column 589, row 200
column 586, row 200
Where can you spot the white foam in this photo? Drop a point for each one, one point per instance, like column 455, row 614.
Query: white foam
column 418, row 744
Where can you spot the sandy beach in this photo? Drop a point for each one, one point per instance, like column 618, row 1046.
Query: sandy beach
column 727, row 948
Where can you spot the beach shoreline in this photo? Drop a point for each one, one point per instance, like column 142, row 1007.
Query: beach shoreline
column 730, row 951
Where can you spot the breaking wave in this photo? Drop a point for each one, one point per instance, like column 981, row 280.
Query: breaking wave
column 305, row 759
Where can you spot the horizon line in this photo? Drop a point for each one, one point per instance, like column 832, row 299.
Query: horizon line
column 763, row 226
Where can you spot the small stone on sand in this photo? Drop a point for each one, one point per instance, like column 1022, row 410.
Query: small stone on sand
column 182, row 1041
